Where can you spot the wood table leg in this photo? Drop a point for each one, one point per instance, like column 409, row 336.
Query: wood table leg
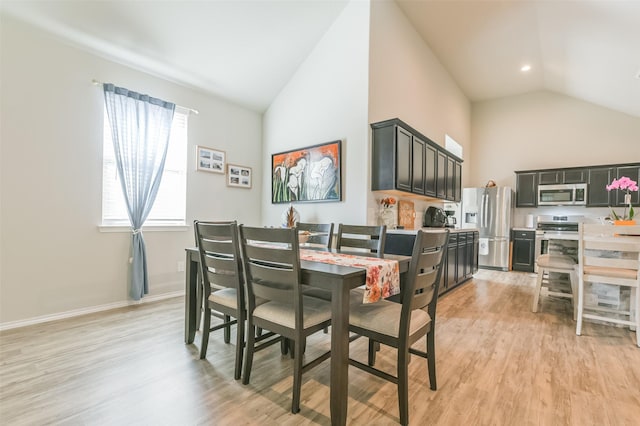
column 339, row 355
column 190, row 300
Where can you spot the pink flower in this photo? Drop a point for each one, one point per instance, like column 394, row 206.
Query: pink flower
column 627, row 185
column 623, row 183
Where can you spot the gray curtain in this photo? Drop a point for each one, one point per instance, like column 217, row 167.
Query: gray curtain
column 140, row 126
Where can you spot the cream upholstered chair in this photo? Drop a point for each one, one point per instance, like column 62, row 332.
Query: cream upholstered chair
column 223, row 286
column 550, row 285
column 272, row 265
column 609, row 255
column 400, row 325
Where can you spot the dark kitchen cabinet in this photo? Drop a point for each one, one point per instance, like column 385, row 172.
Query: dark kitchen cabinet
column 430, row 170
column 597, row 194
column 451, row 270
column 418, row 153
column 471, row 260
column 441, row 182
column 574, row 176
column 457, row 177
column 403, row 159
column 550, row 177
column 560, row 176
column 632, row 172
column 596, row 178
column 461, row 256
column 461, row 261
column 523, row 250
column 527, row 189
column 451, row 179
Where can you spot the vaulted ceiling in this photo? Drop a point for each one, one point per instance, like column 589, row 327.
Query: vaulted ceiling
column 246, row 51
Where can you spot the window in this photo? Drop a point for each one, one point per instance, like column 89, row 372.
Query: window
column 170, row 205
column 452, row 146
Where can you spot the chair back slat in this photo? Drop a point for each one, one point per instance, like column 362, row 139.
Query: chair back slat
column 421, row 288
column 321, row 233
column 272, row 265
column 276, row 253
column 220, row 261
column 361, row 237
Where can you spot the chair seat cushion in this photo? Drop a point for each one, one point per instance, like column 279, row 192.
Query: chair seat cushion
column 611, row 272
column 315, row 311
column 555, row 261
column 226, row 297
column 384, row 317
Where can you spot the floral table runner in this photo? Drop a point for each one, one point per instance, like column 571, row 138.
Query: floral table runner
column 383, row 275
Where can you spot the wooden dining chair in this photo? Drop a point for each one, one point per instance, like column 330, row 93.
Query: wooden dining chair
column 320, row 234
column 361, row 237
column 610, row 256
column 223, row 287
column 401, row 325
column 272, row 264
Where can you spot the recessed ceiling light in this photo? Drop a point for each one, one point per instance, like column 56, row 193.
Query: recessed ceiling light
column 525, row 68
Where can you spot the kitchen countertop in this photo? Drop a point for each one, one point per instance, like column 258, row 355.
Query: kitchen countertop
column 413, row 231
column 523, row 229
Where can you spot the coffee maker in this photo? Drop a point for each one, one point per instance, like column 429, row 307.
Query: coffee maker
column 451, row 219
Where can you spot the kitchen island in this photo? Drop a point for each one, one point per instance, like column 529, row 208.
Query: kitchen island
column 461, row 258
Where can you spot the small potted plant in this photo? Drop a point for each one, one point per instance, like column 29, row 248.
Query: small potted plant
column 628, row 185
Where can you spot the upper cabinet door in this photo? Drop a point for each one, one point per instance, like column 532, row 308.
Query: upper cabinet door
column 632, row 172
column 451, row 179
column 575, row 176
column 597, row 194
column 430, row 170
column 458, row 182
column 550, row 177
column 441, row 184
column 404, row 147
column 417, row 185
column 527, row 189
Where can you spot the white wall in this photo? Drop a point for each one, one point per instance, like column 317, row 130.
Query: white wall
column 53, row 258
column 546, row 130
column 407, row 81
column 326, row 100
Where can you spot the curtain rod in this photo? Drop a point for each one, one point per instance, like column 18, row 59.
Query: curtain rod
column 195, row 111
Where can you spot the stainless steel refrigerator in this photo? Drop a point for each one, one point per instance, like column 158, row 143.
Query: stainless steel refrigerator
column 489, row 210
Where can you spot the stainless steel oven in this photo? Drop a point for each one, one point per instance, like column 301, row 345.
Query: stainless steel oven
column 562, row 195
column 561, row 230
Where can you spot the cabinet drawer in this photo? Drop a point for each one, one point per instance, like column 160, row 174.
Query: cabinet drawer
column 524, row 235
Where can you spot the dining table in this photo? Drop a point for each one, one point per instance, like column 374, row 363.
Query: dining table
column 339, row 280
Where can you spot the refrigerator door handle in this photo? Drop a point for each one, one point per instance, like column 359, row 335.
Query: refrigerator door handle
column 484, row 209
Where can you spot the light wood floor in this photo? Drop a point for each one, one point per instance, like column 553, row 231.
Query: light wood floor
column 498, row 364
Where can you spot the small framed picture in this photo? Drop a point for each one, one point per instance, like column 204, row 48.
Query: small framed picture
column 239, row 176
column 210, row 160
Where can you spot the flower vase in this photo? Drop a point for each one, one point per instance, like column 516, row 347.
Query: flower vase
column 624, row 222
column 387, row 217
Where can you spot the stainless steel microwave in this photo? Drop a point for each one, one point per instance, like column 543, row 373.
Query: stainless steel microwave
column 562, row 195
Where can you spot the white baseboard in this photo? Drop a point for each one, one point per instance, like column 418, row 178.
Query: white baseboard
column 83, row 311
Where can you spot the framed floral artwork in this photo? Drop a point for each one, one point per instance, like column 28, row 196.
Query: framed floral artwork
column 210, row 160
column 310, row 174
column 239, row 176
